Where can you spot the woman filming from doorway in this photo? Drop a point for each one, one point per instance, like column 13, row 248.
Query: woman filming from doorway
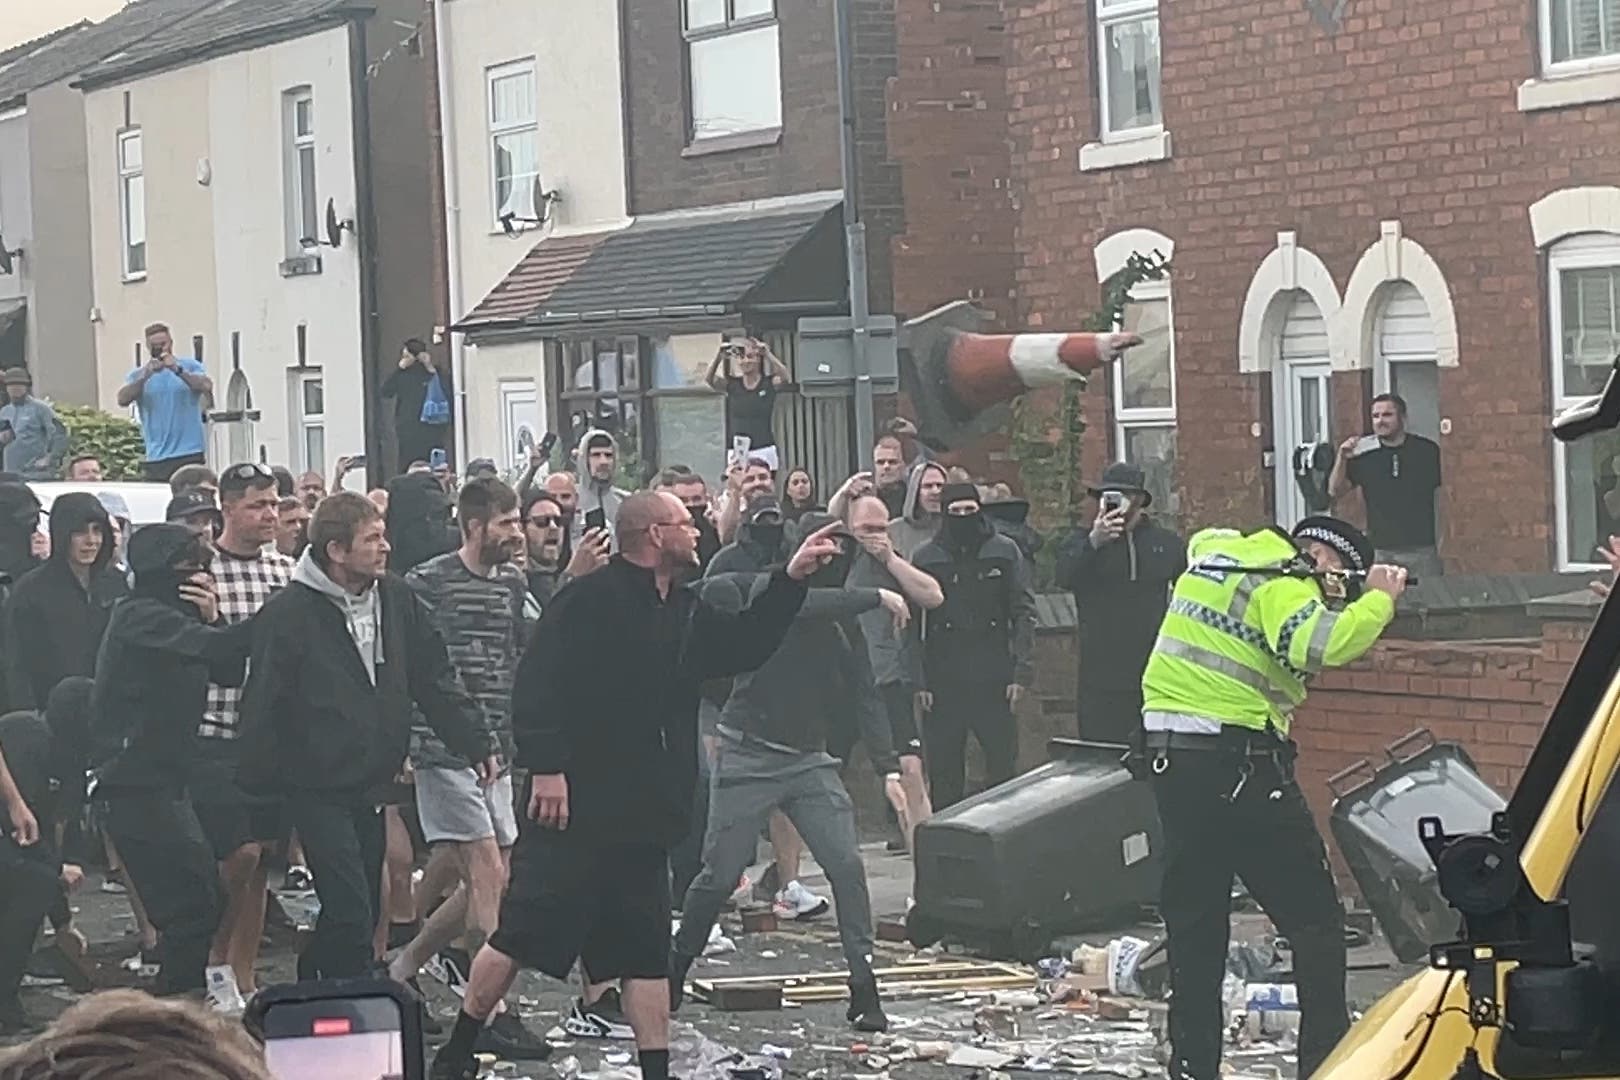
column 749, row 374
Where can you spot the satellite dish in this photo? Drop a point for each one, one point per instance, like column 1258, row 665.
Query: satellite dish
column 334, row 227
column 8, row 258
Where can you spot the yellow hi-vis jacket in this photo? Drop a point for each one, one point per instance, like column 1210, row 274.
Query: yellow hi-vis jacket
column 1240, row 648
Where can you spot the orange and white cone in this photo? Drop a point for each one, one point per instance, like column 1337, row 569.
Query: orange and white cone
column 982, row 370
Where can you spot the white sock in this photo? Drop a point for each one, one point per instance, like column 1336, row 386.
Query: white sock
column 223, row 973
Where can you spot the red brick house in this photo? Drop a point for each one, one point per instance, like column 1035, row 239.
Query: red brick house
column 1358, row 195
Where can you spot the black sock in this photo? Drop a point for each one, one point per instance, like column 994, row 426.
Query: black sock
column 462, row 1037
column 654, row 1064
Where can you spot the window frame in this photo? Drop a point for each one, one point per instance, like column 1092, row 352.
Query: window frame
column 1583, row 251
column 1556, row 69
column 295, row 200
column 494, row 129
column 304, row 421
column 730, row 26
column 1106, row 15
column 125, row 176
column 1133, row 418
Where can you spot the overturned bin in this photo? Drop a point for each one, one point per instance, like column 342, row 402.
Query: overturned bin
column 1071, row 845
column 1375, row 825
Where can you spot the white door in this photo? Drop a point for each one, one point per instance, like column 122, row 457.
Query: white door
column 1301, row 400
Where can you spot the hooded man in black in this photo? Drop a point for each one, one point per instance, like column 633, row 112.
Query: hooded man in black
column 419, row 525
column 772, row 755
column 165, row 643
column 976, row 646
column 58, row 611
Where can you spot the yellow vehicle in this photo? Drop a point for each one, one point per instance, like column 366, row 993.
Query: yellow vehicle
column 1531, row 988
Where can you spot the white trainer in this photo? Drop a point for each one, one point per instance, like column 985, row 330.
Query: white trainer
column 223, row 995
column 796, row 902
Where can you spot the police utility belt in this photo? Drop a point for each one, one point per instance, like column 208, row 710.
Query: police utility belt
column 1242, row 747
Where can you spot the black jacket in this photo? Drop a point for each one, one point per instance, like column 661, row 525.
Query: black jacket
column 820, row 670
column 607, row 694
column 419, row 525
column 1120, row 591
column 53, row 625
column 985, row 630
column 312, row 720
column 152, row 677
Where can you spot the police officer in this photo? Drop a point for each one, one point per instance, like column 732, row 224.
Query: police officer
column 1252, row 619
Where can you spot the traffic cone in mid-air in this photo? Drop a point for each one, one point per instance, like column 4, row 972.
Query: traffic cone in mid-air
column 956, row 377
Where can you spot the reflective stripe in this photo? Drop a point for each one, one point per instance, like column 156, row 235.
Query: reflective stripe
column 1225, row 665
column 1290, row 627
column 1316, row 651
column 1219, row 620
column 1245, row 592
column 1185, row 723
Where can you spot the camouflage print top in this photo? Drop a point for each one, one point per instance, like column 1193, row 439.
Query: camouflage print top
column 482, row 622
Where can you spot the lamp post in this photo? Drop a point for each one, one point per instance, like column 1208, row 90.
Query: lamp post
column 854, row 236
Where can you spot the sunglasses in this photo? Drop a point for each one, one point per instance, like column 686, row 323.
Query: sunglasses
column 248, row 471
column 547, row 520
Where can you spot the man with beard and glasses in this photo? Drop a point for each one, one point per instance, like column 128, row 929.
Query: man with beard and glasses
column 773, row 757
column 753, row 479
column 58, row 611
column 340, row 658
column 165, row 643
column 690, row 488
column 475, row 598
column 613, row 760
column 239, row 828
column 546, row 531
column 976, row 646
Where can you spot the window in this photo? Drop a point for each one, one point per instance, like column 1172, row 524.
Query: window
column 302, row 201
column 1584, row 313
column 514, row 142
column 601, row 387
column 734, row 63
column 1145, row 393
column 310, row 412
column 1128, row 67
column 1408, row 357
column 1579, row 33
column 132, row 205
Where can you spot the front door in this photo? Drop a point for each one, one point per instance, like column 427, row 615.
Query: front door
column 1302, row 400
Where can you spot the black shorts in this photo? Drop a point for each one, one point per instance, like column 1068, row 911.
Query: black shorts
column 900, row 702
column 231, row 825
column 572, row 898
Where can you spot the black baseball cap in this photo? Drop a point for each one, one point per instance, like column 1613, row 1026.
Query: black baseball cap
column 187, row 503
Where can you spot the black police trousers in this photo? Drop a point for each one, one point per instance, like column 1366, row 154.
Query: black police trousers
column 171, row 865
column 1266, row 836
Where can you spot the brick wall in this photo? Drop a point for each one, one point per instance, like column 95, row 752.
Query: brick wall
column 805, row 158
column 1277, row 125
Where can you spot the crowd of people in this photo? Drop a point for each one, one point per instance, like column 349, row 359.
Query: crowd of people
column 584, row 705
column 287, row 673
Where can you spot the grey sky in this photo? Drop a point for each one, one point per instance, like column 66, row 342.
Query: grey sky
column 22, row 20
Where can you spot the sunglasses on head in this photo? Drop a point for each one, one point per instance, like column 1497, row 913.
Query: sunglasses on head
column 248, row 471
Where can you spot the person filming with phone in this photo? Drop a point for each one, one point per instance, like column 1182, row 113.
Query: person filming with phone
column 749, row 374
column 172, row 392
column 1120, row 571
column 1398, row 473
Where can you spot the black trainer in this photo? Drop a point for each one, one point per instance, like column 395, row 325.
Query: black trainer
column 865, row 1009
column 506, row 1037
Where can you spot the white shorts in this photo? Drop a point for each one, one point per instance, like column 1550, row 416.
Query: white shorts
column 454, row 807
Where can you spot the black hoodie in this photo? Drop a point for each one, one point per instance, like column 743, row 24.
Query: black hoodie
column 154, row 668
column 419, row 525
column 53, row 624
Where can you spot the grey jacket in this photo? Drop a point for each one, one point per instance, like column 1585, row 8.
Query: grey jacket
column 41, row 440
column 915, row 527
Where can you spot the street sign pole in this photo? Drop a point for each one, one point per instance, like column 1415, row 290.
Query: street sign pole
column 854, row 238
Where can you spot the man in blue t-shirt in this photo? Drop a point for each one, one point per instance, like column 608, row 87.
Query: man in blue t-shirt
column 173, row 393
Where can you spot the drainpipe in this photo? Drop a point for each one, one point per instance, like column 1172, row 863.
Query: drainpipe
column 452, row 227
column 365, row 238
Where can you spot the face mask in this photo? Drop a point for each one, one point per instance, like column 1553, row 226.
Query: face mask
column 964, row 530
column 767, row 536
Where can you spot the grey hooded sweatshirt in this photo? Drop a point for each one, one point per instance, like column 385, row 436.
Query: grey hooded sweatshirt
column 916, row 526
column 361, row 613
column 594, row 493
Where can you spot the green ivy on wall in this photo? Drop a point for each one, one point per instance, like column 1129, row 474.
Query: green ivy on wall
column 1046, row 439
